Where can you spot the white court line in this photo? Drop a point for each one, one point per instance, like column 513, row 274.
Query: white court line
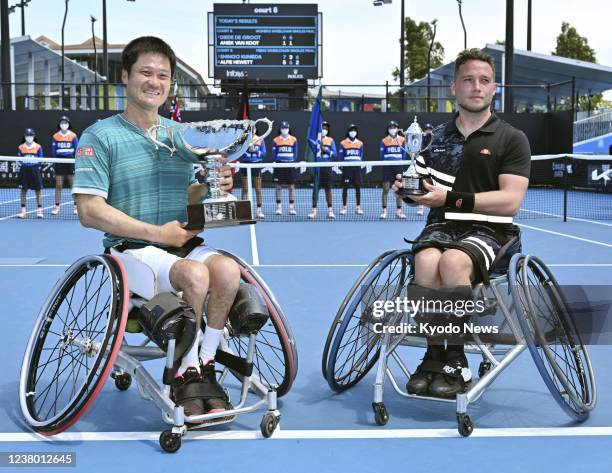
column 254, row 250
column 315, row 434
column 569, row 218
column 573, row 237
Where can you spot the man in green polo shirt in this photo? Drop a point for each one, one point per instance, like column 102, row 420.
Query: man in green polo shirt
column 477, row 172
column 137, row 194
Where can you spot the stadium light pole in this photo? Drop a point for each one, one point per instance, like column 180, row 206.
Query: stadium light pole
column 22, row 4
column 105, row 54
column 434, row 23
column 5, row 38
column 93, row 40
column 402, row 72
column 509, row 57
column 63, row 57
column 462, row 25
column 529, row 25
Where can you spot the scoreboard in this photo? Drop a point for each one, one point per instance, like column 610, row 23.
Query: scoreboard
column 265, row 41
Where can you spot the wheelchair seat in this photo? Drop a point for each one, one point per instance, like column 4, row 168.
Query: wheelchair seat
column 500, row 264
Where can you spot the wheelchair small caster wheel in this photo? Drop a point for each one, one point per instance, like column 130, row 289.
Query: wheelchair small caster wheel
column 169, row 442
column 381, row 415
column 268, row 424
column 464, row 425
column 122, row 381
column 483, row 368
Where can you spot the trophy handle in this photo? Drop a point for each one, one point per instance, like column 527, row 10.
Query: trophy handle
column 269, row 123
column 158, row 143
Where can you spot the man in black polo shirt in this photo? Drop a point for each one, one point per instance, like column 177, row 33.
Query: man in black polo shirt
column 477, row 171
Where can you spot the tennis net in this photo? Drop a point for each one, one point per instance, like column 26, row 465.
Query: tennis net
column 561, row 186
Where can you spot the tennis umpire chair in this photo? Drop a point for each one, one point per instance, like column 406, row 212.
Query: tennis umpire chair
column 79, row 339
column 521, row 291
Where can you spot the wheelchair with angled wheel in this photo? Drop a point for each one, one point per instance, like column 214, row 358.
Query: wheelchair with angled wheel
column 80, row 338
column 531, row 312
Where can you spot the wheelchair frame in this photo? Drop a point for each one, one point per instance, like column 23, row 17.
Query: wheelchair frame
column 380, row 349
column 115, row 357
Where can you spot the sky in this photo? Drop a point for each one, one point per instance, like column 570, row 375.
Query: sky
column 360, row 41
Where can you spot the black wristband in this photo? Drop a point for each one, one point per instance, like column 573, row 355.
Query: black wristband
column 460, row 201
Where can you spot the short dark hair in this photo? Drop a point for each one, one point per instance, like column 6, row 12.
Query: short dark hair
column 144, row 45
column 473, row 54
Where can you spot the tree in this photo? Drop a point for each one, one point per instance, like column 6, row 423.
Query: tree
column 571, row 45
column 417, row 40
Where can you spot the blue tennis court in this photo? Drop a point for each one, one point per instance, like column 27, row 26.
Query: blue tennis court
column 310, row 266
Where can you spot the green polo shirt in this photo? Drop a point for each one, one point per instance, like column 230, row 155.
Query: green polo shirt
column 119, row 162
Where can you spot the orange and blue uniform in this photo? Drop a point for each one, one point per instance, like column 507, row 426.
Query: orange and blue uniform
column 29, row 172
column 64, row 146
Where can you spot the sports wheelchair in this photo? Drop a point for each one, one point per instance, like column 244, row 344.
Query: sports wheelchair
column 520, row 290
column 80, row 338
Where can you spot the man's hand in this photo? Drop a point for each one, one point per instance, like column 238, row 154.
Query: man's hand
column 173, row 234
column 226, row 181
column 435, row 197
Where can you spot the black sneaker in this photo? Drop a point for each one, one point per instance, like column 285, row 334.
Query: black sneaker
column 185, row 392
column 421, row 378
column 216, row 398
column 455, row 379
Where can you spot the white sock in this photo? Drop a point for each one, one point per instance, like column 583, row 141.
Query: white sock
column 190, row 359
column 212, row 338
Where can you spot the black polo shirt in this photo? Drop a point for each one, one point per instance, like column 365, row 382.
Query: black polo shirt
column 474, row 164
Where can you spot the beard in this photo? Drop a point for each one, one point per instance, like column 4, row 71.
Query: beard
column 474, row 109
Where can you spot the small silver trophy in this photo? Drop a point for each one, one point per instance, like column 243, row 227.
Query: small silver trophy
column 412, row 181
column 205, row 141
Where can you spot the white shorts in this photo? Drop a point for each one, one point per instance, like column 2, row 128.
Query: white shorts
column 160, row 261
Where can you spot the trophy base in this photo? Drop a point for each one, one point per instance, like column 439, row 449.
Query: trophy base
column 412, row 186
column 219, row 213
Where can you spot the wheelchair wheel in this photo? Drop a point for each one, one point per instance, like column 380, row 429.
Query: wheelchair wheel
column 339, row 315
column 356, row 346
column 552, row 337
column 73, row 346
column 275, row 362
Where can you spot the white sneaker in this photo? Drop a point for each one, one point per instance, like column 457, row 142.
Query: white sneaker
column 383, row 215
column 420, row 210
column 292, row 210
column 399, row 213
column 358, row 210
column 56, row 210
column 39, row 213
column 313, row 214
column 279, row 210
column 330, row 213
column 343, row 211
column 260, row 214
column 23, row 213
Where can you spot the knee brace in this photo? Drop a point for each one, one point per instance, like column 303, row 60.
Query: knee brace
column 167, row 317
column 249, row 312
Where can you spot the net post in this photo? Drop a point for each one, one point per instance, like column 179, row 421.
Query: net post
column 565, row 163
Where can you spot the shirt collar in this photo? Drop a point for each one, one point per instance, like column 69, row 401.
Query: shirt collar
column 489, row 127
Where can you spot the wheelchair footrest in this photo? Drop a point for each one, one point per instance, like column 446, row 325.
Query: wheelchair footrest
column 234, row 363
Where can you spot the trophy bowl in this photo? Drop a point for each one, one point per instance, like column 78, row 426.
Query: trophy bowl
column 210, row 144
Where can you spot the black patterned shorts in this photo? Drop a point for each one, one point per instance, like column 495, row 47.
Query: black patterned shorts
column 480, row 242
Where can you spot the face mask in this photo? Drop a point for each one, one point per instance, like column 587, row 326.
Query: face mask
column 352, row 134
column 323, row 132
column 284, row 131
column 392, row 131
column 64, row 126
column 29, row 139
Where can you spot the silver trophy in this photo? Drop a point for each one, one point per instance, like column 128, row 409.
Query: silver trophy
column 205, row 141
column 411, row 180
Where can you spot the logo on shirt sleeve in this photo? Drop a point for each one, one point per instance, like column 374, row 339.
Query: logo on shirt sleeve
column 85, row 152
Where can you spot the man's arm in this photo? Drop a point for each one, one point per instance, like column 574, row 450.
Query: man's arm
column 94, row 212
column 504, row 202
column 507, row 200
